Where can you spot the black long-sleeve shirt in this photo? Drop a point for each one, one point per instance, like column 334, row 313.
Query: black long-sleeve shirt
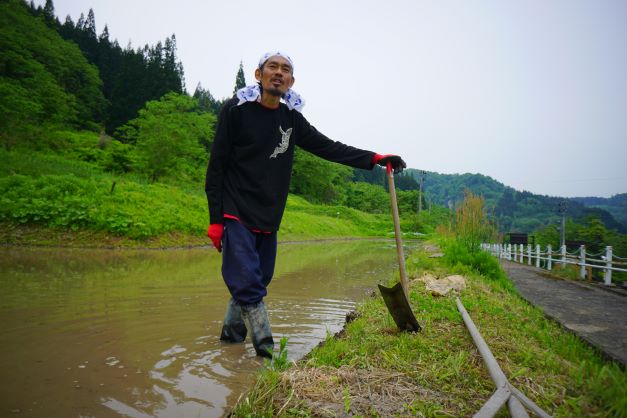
column 251, row 160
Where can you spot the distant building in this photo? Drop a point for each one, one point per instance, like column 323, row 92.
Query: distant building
column 574, row 244
column 517, row 238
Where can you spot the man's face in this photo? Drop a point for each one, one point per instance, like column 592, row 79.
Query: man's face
column 276, row 76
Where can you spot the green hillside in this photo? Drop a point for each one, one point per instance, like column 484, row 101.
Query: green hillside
column 43, row 190
column 515, row 210
column 616, row 205
column 44, row 81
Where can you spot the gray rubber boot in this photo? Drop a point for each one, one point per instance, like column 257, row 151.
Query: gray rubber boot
column 233, row 328
column 257, row 318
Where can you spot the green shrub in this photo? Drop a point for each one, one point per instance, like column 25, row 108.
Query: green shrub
column 457, row 254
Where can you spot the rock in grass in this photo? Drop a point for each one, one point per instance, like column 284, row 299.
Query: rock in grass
column 441, row 287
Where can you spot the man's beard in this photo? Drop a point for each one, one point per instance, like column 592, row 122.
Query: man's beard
column 274, row 92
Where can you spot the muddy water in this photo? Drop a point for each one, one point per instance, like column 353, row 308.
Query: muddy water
column 97, row 333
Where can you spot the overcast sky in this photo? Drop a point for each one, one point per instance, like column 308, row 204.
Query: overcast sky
column 532, row 93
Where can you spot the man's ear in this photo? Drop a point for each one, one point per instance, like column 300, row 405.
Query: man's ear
column 258, row 74
column 292, row 83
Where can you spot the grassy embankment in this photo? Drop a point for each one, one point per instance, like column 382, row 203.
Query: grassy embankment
column 50, row 200
column 371, row 369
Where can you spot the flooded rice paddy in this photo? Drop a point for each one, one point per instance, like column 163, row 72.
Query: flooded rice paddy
column 107, row 333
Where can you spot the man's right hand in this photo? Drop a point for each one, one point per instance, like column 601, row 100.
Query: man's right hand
column 215, row 232
column 396, row 162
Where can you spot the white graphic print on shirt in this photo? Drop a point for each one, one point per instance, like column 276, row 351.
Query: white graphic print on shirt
column 285, row 142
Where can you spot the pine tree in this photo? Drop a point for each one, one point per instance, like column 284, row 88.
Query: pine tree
column 206, row 101
column 104, row 36
column 35, row 10
column 80, row 24
column 49, row 12
column 172, row 71
column 68, row 22
column 90, row 24
column 240, row 80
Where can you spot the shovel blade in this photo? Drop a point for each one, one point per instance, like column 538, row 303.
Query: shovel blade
column 399, row 308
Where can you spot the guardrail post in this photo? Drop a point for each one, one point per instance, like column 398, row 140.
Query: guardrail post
column 537, row 255
column 522, row 254
column 563, row 248
column 515, row 253
column 582, row 261
column 509, row 252
column 528, row 254
column 608, row 265
column 549, row 262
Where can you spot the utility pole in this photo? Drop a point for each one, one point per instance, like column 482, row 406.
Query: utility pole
column 561, row 209
column 423, row 174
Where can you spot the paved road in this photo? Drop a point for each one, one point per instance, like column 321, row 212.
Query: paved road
column 596, row 315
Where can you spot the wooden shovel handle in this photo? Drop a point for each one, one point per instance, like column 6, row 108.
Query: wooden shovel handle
column 397, row 231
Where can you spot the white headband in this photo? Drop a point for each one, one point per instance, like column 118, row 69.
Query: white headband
column 269, row 54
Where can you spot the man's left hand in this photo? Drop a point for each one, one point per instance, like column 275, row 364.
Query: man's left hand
column 396, row 161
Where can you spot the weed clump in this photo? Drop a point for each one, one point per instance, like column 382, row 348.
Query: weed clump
column 461, row 260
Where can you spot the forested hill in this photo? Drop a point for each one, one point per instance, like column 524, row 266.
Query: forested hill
column 130, row 77
column 515, row 210
column 616, row 205
column 43, row 79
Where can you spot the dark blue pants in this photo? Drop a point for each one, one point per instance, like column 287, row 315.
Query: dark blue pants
column 247, row 262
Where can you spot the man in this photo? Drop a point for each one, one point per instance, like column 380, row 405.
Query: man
column 247, row 186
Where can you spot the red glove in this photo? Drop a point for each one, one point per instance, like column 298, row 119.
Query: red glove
column 397, row 162
column 215, row 232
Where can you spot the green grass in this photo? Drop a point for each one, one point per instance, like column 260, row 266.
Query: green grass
column 554, row 368
column 50, row 200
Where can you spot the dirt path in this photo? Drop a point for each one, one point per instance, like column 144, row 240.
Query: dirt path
column 596, row 315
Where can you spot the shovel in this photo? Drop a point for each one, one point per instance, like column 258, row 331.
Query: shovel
column 397, row 297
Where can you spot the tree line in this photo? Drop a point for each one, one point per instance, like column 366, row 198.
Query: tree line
column 130, row 77
column 519, row 211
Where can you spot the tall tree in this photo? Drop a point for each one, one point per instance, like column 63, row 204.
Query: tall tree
column 104, row 36
column 168, row 134
column 206, row 101
column 80, row 23
column 471, row 223
column 316, row 179
column 240, row 80
column 172, row 70
column 68, row 28
column 49, row 12
column 90, row 24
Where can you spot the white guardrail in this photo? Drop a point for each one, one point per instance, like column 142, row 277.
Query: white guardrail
column 547, row 258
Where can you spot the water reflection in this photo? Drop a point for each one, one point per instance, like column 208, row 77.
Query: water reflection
column 135, row 333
